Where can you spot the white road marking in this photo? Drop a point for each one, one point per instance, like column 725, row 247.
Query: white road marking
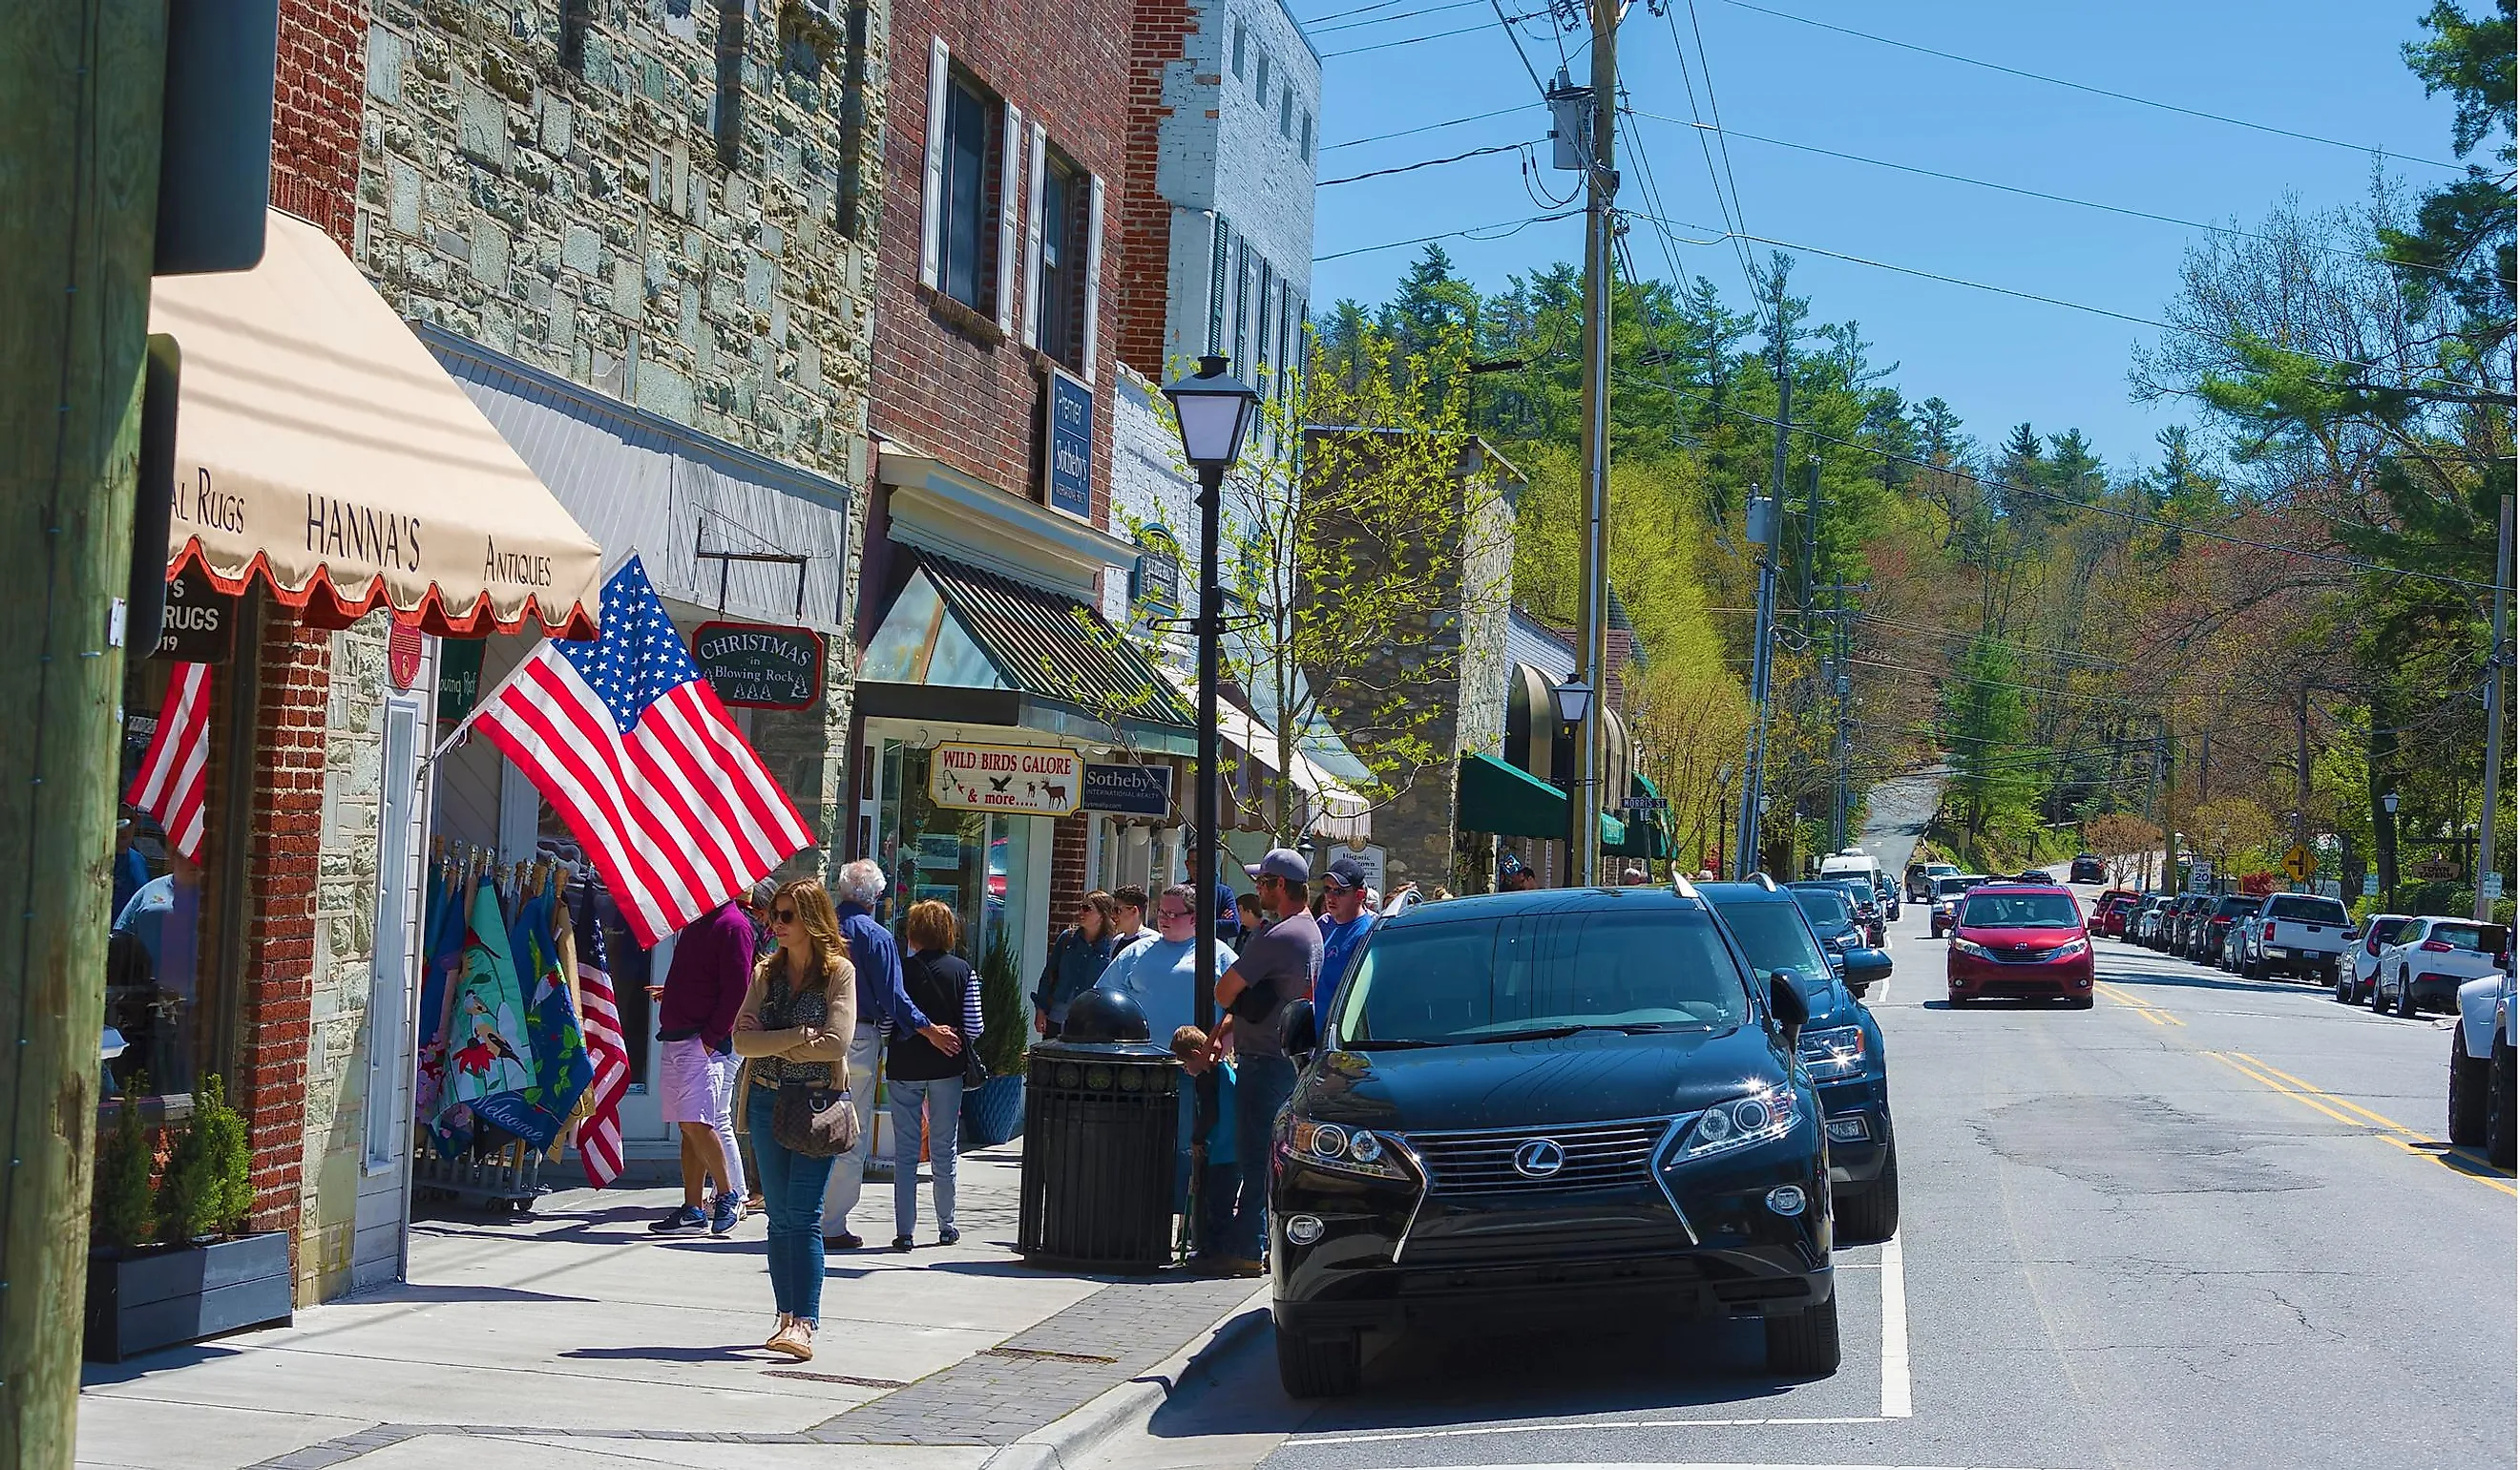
column 1896, row 1402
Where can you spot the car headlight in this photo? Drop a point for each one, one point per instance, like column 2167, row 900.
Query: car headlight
column 1836, row 1051
column 1329, row 1145
column 1744, row 1121
column 1971, row 947
column 2073, row 946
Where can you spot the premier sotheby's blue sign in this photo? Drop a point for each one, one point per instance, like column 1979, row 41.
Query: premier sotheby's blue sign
column 1069, row 470
column 1129, row 790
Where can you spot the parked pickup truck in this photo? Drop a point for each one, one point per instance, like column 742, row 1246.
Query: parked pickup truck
column 2298, row 934
column 2482, row 1068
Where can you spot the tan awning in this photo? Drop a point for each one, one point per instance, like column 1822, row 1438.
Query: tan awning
column 320, row 447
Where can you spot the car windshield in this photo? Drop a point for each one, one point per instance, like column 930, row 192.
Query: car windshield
column 1775, row 938
column 1950, row 887
column 2306, row 908
column 1826, row 907
column 2019, row 911
column 1520, row 975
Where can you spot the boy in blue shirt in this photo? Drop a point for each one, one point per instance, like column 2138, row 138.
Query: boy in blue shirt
column 1207, row 1141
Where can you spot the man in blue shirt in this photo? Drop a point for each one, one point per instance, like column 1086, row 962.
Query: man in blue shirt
column 882, row 1006
column 1346, row 922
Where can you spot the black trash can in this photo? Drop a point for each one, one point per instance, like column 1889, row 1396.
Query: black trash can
column 1101, row 1120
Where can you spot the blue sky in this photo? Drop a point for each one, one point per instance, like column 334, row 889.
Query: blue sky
column 2310, row 65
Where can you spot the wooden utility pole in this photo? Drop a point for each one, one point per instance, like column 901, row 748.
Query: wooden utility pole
column 1601, row 232
column 2499, row 673
column 81, row 88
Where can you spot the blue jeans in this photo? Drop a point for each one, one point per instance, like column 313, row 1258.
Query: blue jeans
column 792, row 1186
column 942, row 1100
column 1262, row 1085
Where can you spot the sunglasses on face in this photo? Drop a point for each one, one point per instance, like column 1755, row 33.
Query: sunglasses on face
column 783, row 915
column 1172, row 913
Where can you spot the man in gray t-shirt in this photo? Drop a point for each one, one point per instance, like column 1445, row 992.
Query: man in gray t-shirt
column 1274, row 967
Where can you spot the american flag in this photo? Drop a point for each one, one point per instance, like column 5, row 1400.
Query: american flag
column 599, row 1132
column 174, row 772
column 631, row 746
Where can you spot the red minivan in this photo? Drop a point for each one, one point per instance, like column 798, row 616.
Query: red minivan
column 2023, row 941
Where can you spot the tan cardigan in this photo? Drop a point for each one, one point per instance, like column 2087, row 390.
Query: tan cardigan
column 789, row 1043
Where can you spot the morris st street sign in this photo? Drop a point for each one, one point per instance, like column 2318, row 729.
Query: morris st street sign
column 1037, row 780
column 760, row 665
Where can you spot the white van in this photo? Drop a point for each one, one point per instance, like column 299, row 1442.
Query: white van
column 1856, row 863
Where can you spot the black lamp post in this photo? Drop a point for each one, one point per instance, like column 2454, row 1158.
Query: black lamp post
column 2390, row 801
column 1574, row 702
column 1214, row 412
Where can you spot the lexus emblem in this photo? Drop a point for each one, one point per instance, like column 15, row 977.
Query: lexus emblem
column 1539, row 1158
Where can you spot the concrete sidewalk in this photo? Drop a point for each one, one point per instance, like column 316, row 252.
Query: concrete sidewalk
column 574, row 1337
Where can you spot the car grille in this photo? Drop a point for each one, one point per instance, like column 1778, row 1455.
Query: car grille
column 1598, row 1156
column 2022, row 954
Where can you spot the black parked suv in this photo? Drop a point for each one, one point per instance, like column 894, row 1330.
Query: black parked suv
column 1840, row 1047
column 1557, row 1103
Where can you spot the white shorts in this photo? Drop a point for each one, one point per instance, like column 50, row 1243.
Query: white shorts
column 694, row 1083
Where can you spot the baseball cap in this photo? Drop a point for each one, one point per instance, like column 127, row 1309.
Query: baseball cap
column 1511, row 866
column 1282, row 863
column 1346, row 875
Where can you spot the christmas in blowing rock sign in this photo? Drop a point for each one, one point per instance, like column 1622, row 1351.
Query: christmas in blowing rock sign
column 1037, row 780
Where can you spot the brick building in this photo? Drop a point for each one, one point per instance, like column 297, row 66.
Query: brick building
column 316, row 439
column 988, row 558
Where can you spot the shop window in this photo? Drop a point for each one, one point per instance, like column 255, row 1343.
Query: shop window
column 975, row 863
column 164, row 994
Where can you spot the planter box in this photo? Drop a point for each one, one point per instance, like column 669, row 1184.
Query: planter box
column 158, row 1296
column 993, row 1112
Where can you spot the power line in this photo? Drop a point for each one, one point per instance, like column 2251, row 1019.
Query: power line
column 1729, row 208
column 1476, row 153
column 1413, row 40
column 1411, row 132
column 1398, row 15
column 2036, row 194
column 1510, row 227
column 2058, row 81
column 2337, row 558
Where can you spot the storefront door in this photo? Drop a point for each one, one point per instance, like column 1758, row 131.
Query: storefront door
column 979, row 864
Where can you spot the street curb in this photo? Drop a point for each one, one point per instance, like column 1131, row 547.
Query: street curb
column 1050, row 1447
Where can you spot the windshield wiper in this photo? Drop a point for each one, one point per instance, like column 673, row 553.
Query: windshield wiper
column 1531, row 1033
column 1389, row 1043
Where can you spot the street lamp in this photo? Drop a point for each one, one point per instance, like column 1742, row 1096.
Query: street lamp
column 1213, row 410
column 2389, row 802
column 1574, row 700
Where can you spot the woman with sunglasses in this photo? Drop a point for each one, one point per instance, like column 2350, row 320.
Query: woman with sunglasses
column 795, row 1024
column 1077, row 959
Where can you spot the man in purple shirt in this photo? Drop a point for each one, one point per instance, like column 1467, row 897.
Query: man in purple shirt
column 704, row 988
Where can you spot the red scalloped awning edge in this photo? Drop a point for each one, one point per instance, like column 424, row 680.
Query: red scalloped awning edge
column 325, row 605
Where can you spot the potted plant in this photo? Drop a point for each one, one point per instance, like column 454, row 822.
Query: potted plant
column 993, row 1112
column 204, row 1275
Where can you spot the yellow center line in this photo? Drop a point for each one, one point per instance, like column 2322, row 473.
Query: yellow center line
column 2303, row 1093
column 2145, row 1008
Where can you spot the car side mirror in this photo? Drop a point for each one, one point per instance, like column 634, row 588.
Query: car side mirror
column 1864, row 967
column 1787, row 1003
column 1298, row 1031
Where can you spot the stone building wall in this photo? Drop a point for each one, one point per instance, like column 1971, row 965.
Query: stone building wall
column 345, row 913
column 575, row 211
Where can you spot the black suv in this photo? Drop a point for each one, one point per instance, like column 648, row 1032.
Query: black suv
column 1840, row 1047
column 1552, row 1103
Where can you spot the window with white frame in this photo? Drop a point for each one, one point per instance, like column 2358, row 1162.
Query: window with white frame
column 968, row 207
column 1061, row 291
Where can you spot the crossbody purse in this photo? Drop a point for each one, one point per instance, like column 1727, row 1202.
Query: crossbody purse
column 817, row 1122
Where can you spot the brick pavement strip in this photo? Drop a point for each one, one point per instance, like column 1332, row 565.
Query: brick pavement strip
column 995, row 1397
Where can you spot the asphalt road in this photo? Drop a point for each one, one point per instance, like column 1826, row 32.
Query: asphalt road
column 2207, row 1224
